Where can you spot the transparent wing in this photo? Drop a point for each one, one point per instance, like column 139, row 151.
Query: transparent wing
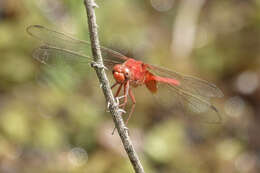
column 192, row 95
column 51, row 55
column 197, row 107
column 57, row 43
column 189, row 84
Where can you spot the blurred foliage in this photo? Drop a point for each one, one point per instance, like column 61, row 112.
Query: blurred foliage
column 55, row 119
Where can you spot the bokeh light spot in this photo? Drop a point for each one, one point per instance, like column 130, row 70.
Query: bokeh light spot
column 247, row 82
column 234, row 106
column 77, row 156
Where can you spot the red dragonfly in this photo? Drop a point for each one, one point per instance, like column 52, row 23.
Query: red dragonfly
column 194, row 94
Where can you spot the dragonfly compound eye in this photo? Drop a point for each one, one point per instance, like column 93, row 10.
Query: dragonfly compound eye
column 119, row 77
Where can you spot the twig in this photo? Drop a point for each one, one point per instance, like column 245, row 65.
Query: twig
column 113, row 106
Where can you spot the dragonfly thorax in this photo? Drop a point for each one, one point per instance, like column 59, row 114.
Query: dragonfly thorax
column 121, row 73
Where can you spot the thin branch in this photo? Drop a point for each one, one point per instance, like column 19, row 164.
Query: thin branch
column 113, row 106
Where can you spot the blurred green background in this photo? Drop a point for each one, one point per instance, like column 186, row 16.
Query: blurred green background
column 56, row 121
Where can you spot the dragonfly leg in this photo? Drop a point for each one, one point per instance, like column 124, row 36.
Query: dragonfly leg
column 133, row 105
column 113, row 86
column 131, row 112
column 117, row 93
column 126, row 91
column 118, row 90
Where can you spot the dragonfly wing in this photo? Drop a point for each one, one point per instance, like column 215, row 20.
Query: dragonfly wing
column 64, row 41
column 51, row 56
column 196, row 107
column 191, row 94
column 189, row 84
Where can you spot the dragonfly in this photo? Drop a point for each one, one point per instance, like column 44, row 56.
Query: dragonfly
column 193, row 94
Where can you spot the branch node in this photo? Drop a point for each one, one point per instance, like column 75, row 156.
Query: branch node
column 97, row 65
column 126, row 129
column 94, row 5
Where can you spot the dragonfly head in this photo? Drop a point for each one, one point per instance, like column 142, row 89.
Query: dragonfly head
column 121, row 73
